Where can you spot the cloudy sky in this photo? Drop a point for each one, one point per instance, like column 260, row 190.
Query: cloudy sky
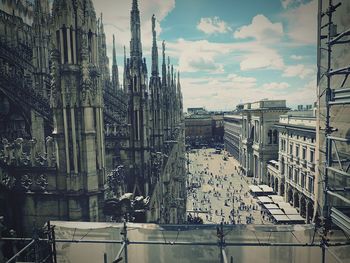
column 227, row 51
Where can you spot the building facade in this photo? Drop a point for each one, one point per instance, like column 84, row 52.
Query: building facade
column 204, row 129
column 198, row 128
column 259, row 137
column 232, row 135
column 292, row 175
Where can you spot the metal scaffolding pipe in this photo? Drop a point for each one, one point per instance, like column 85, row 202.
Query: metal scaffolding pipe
column 20, row 252
column 87, row 241
column 339, row 71
column 344, row 199
column 340, row 139
column 185, row 243
column 119, row 252
column 334, row 40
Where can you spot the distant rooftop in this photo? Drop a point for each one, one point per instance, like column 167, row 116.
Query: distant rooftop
column 306, row 120
column 301, row 113
column 265, row 104
column 233, row 116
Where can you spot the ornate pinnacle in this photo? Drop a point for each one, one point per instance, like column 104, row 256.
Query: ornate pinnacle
column 124, row 56
column 134, row 5
column 154, row 49
column 114, row 54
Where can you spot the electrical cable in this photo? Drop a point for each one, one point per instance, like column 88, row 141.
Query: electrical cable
column 86, row 234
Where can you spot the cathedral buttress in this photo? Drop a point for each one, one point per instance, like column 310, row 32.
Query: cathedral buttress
column 77, row 103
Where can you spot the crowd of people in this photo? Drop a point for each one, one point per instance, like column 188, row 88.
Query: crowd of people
column 218, row 192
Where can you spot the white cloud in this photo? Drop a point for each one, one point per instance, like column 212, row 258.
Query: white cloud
column 211, row 25
column 198, row 55
column 296, row 57
column 304, row 95
column 217, row 92
column 302, row 23
column 251, row 55
column 299, row 70
column 243, row 82
column 262, row 29
column 226, row 92
column 275, row 86
column 262, row 58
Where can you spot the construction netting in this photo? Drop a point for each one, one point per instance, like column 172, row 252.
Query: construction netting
column 101, row 242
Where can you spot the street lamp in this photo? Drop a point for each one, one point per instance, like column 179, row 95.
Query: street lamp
column 233, row 208
column 188, row 162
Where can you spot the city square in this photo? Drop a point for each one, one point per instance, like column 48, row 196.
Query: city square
column 216, row 186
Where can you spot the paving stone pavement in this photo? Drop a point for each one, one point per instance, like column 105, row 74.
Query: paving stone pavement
column 220, row 183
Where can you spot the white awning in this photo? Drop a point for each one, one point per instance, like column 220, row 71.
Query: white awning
column 255, row 189
column 284, row 205
column 271, row 206
column 290, row 211
column 265, row 200
column 266, row 188
column 296, row 218
column 276, row 212
column 276, row 198
column 281, row 218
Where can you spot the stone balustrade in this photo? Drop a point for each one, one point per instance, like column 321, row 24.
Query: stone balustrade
column 117, row 130
column 24, row 153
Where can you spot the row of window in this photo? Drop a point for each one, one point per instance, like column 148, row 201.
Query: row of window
column 312, row 140
column 301, row 179
column 298, row 151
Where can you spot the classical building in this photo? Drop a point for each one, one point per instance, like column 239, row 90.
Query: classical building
column 198, row 128
column 232, row 134
column 218, row 126
column 259, row 137
column 68, row 128
column 292, row 175
column 204, row 128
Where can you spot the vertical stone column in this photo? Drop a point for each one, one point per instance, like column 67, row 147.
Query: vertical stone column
column 37, row 130
column 74, row 140
column 307, row 211
column 279, row 191
column 294, row 200
column 300, row 210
